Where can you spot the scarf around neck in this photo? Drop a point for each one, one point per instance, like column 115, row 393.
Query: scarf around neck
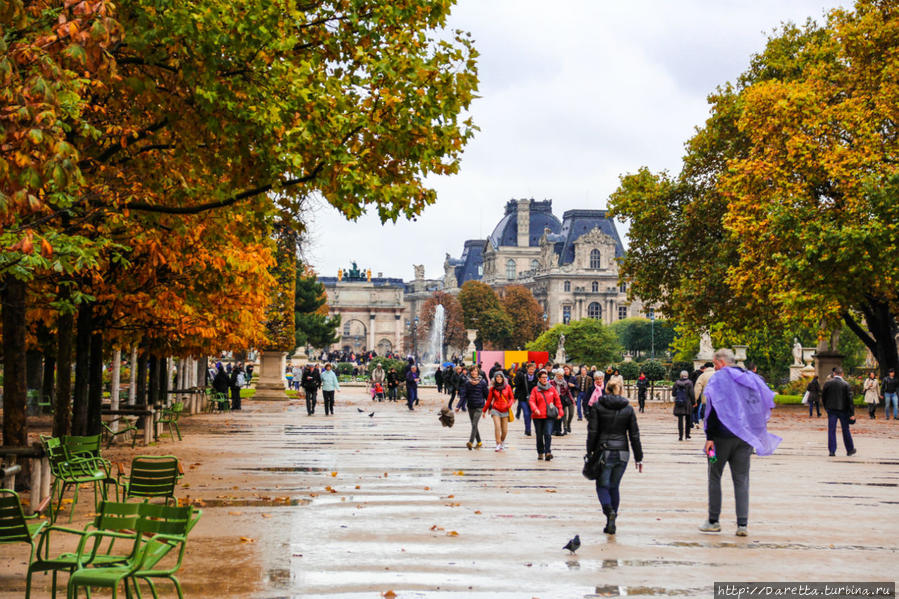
column 544, row 387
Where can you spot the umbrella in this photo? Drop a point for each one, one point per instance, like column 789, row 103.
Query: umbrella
column 445, row 364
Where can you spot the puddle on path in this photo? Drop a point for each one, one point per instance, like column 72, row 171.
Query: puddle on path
column 757, row 545
column 248, row 502
column 834, row 482
column 611, row 590
column 284, row 469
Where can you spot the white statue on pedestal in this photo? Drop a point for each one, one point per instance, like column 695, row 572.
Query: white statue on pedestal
column 797, row 352
column 706, row 349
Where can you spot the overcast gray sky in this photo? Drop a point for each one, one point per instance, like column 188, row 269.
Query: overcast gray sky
column 574, row 93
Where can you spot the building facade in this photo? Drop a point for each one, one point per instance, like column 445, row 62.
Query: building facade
column 570, row 265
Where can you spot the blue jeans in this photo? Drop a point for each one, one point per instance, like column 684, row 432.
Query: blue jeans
column 411, row 395
column 543, row 427
column 887, row 398
column 608, row 481
column 843, row 417
column 524, row 407
column 582, row 397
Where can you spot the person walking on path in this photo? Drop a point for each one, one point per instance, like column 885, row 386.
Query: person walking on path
column 438, row 379
column 889, row 387
column 499, row 403
column 393, row 381
column 736, row 423
column 836, row 396
column 642, row 388
column 310, row 387
column 611, row 424
column 814, row 396
column 525, row 382
column 708, row 369
column 544, row 400
column 616, row 378
column 562, row 425
column 872, row 394
column 329, row 386
column 235, row 382
column 473, row 396
column 682, row 392
column 412, row 378
column 599, row 390
column 584, row 384
column 453, row 382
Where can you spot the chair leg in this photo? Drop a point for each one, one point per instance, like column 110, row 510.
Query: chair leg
column 177, row 586
column 178, row 430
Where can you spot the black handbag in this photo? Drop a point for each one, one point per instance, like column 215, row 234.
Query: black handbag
column 593, row 464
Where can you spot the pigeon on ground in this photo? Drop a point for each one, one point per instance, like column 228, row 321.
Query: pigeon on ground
column 573, row 544
column 359, row 410
column 372, row 415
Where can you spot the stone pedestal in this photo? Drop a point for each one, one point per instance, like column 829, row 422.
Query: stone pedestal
column 471, row 349
column 271, row 382
column 796, row 371
column 825, row 362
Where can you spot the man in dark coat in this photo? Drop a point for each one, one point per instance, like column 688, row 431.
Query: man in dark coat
column 525, row 381
column 837, row 399
column 310, row 387
column 438, row 379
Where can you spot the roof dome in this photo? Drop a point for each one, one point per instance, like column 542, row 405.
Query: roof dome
column 540, row 217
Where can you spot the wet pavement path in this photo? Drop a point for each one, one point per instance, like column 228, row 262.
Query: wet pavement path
column 353, row 506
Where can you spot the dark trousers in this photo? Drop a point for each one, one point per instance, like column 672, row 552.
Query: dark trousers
column 610, row 478
column 235, row 398
column 736, row 452
column 391, row 393
column 843, row 417
column 475, row 415
column 683, row 425
column 641, row 399
column 310, row 401
column 411, row 395
column 329, row 402
column 524, row 412
column 582, row 397
column 696, row 416
column 543, row 428
column 814, row 404
column 452, row 397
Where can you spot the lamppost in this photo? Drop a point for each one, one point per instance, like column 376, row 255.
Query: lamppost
column 415, row 338
column 652, row 334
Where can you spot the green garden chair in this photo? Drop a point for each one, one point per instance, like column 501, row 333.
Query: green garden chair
column 161, row 529
column 116, row 522
column 125, row 426
column 221, row 402
column 152, row 476
column 78, row 446
column 170, row 417
column 72, row 471
column 15, row 526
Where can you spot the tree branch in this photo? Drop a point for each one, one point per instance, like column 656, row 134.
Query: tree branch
column 117, row 147
column 861, row 333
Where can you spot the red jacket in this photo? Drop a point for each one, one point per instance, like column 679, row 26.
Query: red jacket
column 499, row 400
column 539, row 400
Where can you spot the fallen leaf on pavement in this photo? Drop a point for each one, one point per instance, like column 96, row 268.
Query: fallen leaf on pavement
column 235, row 513
column 452, row 533
column 388, row 595
column 247, row 540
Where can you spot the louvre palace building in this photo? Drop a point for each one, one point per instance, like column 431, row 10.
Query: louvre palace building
column 570, row 266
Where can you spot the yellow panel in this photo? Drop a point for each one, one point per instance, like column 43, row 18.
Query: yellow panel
column 515, row 357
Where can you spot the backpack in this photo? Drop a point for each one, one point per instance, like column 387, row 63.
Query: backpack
column 241, row 381
column 681, row 397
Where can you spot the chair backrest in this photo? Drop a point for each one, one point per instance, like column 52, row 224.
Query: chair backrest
column 173, row 521
column 115, row 515
column 153, row 476
column 82, row 446
column 12, row 519
column 56, row 453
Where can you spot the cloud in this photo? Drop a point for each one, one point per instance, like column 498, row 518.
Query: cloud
column 573, row 95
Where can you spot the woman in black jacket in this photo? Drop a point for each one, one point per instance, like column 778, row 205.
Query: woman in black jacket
column 611, row 422
column 473, row 396
column 814, row 396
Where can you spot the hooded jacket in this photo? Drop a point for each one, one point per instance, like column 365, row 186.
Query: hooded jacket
column 499, row 398
column 687, row 407
column 610, row 424
column 473, row 395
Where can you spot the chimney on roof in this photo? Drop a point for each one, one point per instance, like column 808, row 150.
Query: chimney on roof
column 380, row 275
column 524, row 223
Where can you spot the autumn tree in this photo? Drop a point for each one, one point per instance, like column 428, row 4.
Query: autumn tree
column 313, row 326
column 454, row 326
column 482, row 310
column 640, row 335
column 124, row 125
column 525, row 313
column 784, row 212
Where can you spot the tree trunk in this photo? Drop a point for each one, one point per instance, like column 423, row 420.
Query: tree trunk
column 48, row 351
column 62, row 414
column 164, row 380
column 153, row 387
column 82, row 369
column 132, row 385
column 95, row 389
column 12, row 298
column 880, row 337
column 142, row 368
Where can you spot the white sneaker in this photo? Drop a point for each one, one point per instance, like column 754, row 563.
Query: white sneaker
column 499, row 447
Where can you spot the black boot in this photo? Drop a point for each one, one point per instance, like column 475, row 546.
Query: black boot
column 610, row 520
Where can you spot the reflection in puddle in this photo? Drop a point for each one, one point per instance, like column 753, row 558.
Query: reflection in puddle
column 611, row 590
column 248, row 502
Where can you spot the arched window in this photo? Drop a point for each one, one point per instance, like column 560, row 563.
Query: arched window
column 594, row 259
column 594, row 310
column 595, row 286
column 510, row 269
column 567, row 286
column 346, row 328
column 623, row 288
column 535, row 265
